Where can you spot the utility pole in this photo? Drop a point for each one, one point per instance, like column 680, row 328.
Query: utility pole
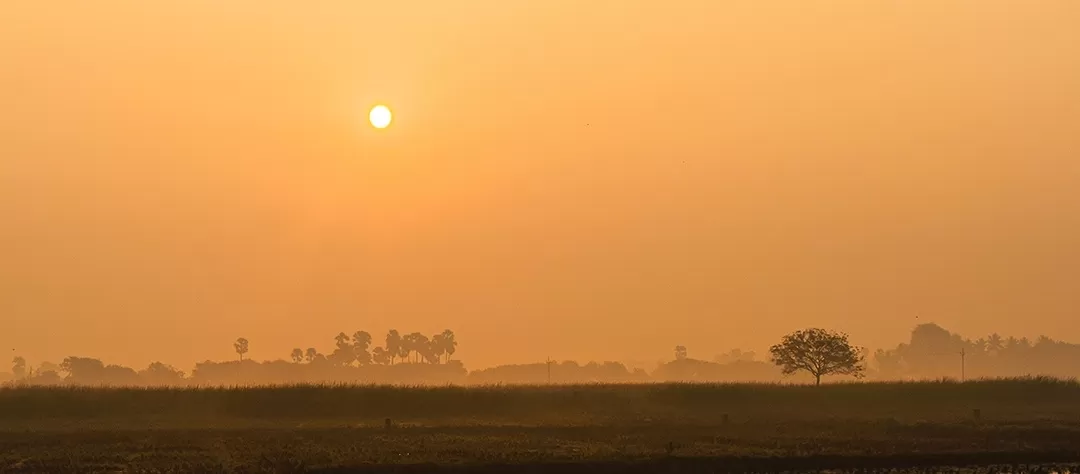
column 549, row 370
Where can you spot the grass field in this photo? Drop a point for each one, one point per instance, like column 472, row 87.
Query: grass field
column 604, row 428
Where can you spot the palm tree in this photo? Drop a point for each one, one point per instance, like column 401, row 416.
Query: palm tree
column 417, row 343
column 297, row 356
column 449, row 343
column 994, row 343
column 393, row 344
column 979, row 345
column 438, row 346
column 241, row 347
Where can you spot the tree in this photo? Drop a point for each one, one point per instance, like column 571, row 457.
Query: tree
column 449, row 343
column 438, row 347
column 161, row 374
column 680, row 352
column 297, row 355
column 416, row 342
column 380, row 356
column 84, row 370
column 889, row 362
column 994, row 343
column 393, row 344
column 19, row 368
column 310, row 355
column 343, row 353
column 818, row 352
column 361, row 343
column 241, row 347
column 341, row 340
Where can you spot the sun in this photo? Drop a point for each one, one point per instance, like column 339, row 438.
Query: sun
column 380, row 116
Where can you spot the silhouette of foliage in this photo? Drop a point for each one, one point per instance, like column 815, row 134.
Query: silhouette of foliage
column 680, row 352
column 161, row 375
column 241, row 347
column 380, row 356
column 449, row 343
column 18, row 368
column 818, row 352
column 394, row 345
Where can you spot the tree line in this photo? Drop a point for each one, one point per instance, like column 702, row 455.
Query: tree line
column 356, row 349
column 806, row 356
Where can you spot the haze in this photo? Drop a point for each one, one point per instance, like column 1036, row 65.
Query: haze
column 586, row 180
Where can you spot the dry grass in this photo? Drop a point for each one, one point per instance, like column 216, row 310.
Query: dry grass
column 622, row 427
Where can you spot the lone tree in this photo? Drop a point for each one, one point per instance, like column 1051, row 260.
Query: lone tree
column 241, row 347
column 818, row 352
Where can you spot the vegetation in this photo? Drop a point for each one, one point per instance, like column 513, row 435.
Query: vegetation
column 603, row 428
column 817, row 352
column 414, row 358
column 907, row 402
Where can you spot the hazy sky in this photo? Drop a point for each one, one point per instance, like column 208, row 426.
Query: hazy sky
column 565, row 178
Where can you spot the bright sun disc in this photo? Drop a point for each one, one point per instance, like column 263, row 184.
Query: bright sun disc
column 380, row 116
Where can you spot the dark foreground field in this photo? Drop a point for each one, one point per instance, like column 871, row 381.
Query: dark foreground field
column 594, row 429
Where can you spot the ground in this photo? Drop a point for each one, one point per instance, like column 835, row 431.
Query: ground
column 595, row 429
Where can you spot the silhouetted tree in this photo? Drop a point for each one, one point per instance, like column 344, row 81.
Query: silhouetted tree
column 161, row 374
column 680, row 352
column 297, row 356
column 341, row 340
column 380, row 356
column 18, row 368
column 241, row 347
column 889, row 363
column 449, row 343
column 818, row 352
column 438, row 347
column 416, row 343
column 994, row 343
column 46, row 378
column 361, row 343
column 394, row 346
column 343, row 352
column 310, row 355
column 83, row 370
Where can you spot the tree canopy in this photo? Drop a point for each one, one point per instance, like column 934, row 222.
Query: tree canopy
column 819, row 352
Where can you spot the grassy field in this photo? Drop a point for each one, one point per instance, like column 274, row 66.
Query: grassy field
column 603, row 428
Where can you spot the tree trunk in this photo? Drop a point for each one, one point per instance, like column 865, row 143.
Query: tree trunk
column 818, row 376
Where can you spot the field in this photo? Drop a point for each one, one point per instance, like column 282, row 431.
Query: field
column 602, row 428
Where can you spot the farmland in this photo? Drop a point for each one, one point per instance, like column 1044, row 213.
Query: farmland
column 595, row 428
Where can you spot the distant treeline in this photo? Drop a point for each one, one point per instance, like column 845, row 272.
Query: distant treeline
column 932, row 352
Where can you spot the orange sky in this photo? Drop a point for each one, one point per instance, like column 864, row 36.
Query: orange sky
column 574, row 179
